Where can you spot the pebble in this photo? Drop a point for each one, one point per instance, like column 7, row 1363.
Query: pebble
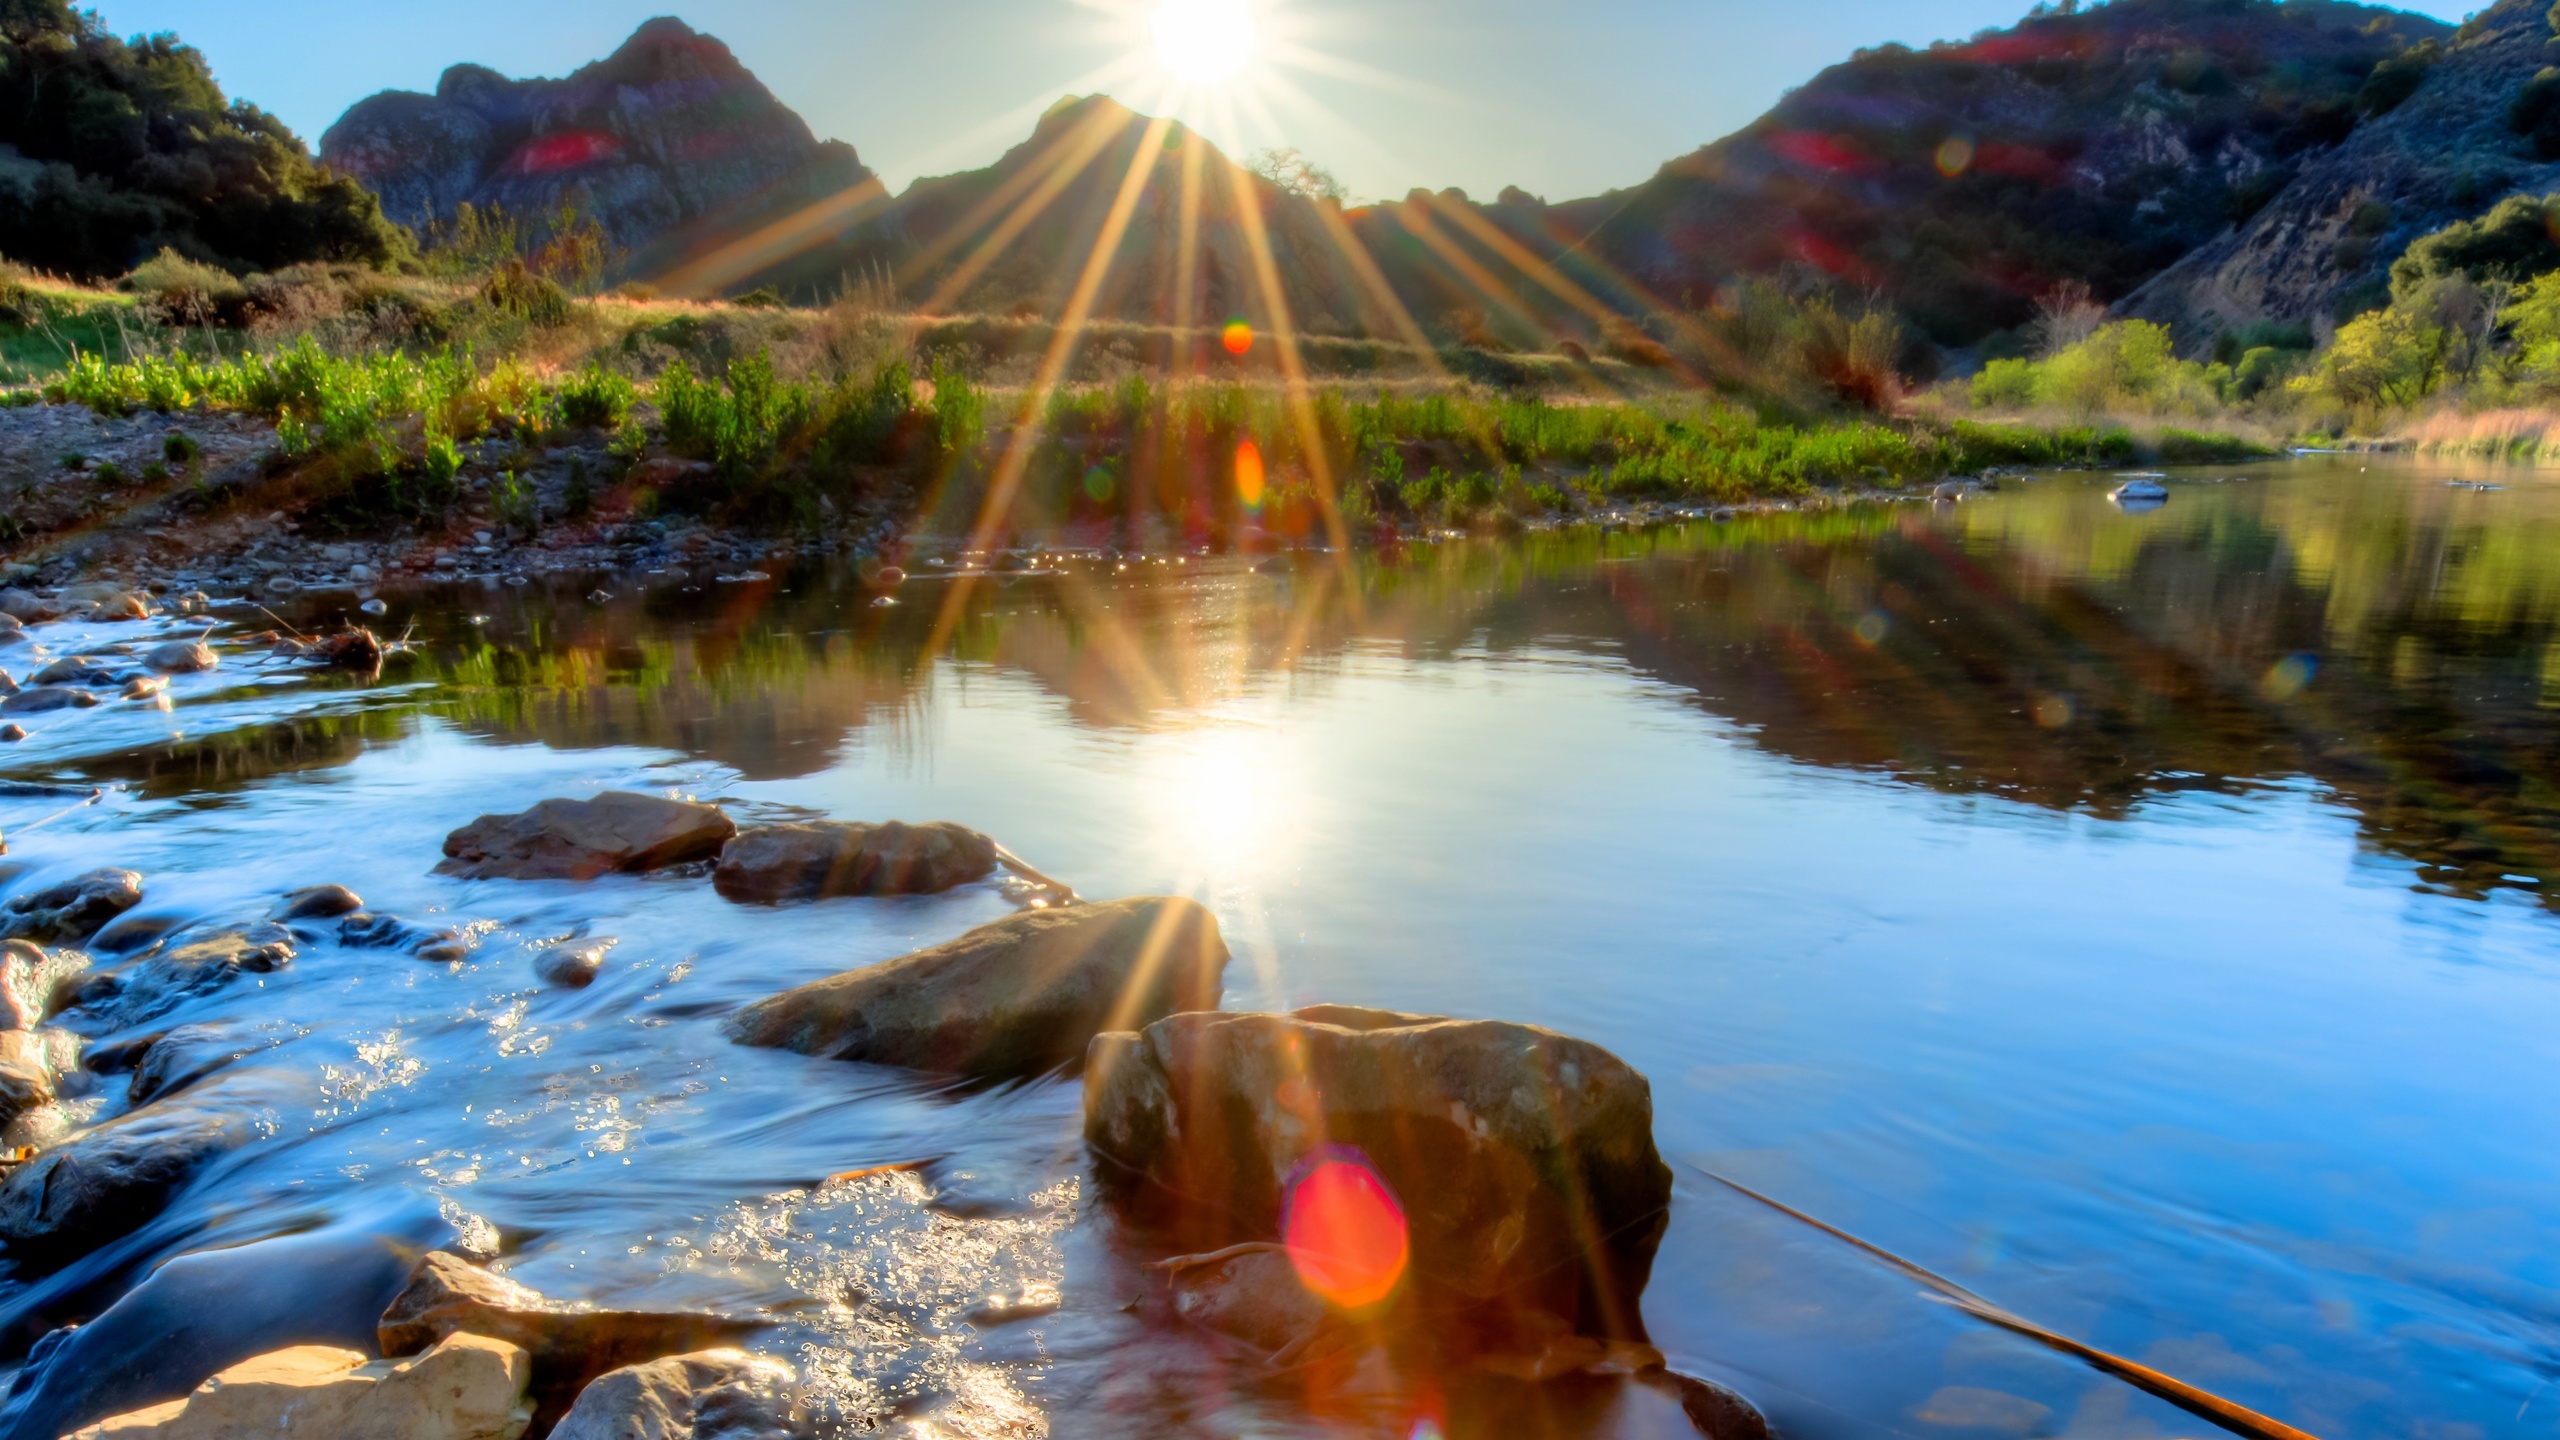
column 12, row 734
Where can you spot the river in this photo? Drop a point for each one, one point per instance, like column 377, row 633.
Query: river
column 2140, row 918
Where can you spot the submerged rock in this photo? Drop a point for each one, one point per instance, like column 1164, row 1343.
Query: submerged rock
column 75, row 670
column 447, row 1295
column 181, row 657
column 1019, row 996
column 571, row 967
column 200, row 1314
column 469, row 1387
column 73, row 910
column 727, row 1394
column 46, row 697
column 826, row 858
column 178, row 1058
column 104, row 1183
column 616, row 831
column 367, row 931
column 184, row 966
column 1522, row 1161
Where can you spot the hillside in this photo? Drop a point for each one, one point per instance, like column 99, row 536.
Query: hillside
column 2324, row 246
column 669, row 143
column 110, row 152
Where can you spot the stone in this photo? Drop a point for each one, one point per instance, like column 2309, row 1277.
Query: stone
column 40, row 698
column 571, row 967
column 120, row 606
column 826, row 858
column 32, row 1063
column 318, row 902
column 469, row 1387
column 365, row 930
column 13, row 733
column 108, row 1181
column 145, row 687
column 12, row 630
column 570, row 1346
column 727, row 1394
column 199, row 1314
column 181, row 657
column 182, row 1056
column 26, row 607
column 186, row 965
column 36, row 984
column 1523, row 1160
column 616, row 832
column 74, row 670
column 1016, row 997
column 1254, row 1296
column 73, row 910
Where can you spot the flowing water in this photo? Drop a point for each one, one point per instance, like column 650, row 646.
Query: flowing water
column 2138, row 917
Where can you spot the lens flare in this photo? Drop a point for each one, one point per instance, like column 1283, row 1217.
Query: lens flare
column 1345, row 1232
column 1204, row 42
column 1955, row 156
column 1237, row 337
column 1249, row 474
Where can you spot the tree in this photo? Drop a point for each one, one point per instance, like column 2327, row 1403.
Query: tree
column 1289, row 168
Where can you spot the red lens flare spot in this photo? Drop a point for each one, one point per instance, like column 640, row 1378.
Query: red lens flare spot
column 1237, row 337
column 1345, row 1233
column 1249, row 474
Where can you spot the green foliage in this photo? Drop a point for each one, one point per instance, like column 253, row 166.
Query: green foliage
column 2513, row 242
column 135, row 149
column 180, row 448
column 184, row 291
column 596, row 398
column 2535, row 113
column 738, row 424
column 2396, row 79
column 515, row 289
column 2130, row 365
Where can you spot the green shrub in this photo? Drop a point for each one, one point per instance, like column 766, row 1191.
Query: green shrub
column 596, row 398
column 515, row 290
column 180, row 448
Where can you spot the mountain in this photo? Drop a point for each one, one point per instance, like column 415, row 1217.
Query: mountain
column 110, row 152
column 667, row 142
column 2323, row 248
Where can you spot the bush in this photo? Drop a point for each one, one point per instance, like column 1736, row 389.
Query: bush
column 2535, row 113
column 183, row 291
column 2396, row 79
column 515, row 290
column 596, row 398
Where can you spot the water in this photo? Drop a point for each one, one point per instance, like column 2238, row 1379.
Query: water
column 2138, row 917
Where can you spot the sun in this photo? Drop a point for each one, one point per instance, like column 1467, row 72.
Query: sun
column 1204, row 42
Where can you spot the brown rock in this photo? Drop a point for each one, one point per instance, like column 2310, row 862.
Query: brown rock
column 725, row 1393
column 31, row 1065
column 26, row 607
column 318, row 902
column 38, row 698
column 1523, row 1160
column 181, row 657
column 74, row 909
column 468, row 1387
column 1021, row 995
column 814, row 861
column 104, row 1183
column 570, row 1347
column 581, row 839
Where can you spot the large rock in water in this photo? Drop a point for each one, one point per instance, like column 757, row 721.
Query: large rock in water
column 1523, row 1160
column 74, row 909
column 447, row 1295
column 469, row 1387
column 667, row 143
column 727, row 1394
column 200, row 1314
column 1022, row 995
column 106, row 1183
column 812, row 862
column 581, row 839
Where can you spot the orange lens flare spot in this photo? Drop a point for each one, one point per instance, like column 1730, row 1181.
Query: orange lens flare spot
column 1237, row 337
column 1249, row 474
column 1345, row 1233
column 1955, row 156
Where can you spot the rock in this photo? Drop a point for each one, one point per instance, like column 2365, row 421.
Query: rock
column 318, row 902
column 580, row 839
column 145, row 687
column 12, row 630
column 727, row 1394
column 185, row 967
column 119, row 606
column 72, row 910
column 1019, row 996
column 26, row 607
column 467, row 1388
column 1254, row 1296
column 810, row 862
column 1523, row 1160
column 46, row 697
column 106, row 1182
column 366, row 931
column 359, row 650
column 571, row 967
column 447, row 1295
column 200, row 1314
column 179, row 1058
column 13, row 733
column 181, row 657
column 32, row 1063
column 34, row 984
column 74, row 670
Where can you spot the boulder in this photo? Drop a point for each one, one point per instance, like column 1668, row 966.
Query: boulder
column 37, row 699
column 812, row 862
column 728, row 1394
column 199, row 1314
column 189, row 964
column 26, row 607
column 570, row 1346
column 181, row 657
column 1022, row 995
column 106, row 1182
column 469, row 1387
column 1522, row 1160
column 318, row 902
column 180, row 1057
column 73, row 910
column 580, row 839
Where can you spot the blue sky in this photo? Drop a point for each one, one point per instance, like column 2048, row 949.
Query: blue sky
column 1563, row 99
